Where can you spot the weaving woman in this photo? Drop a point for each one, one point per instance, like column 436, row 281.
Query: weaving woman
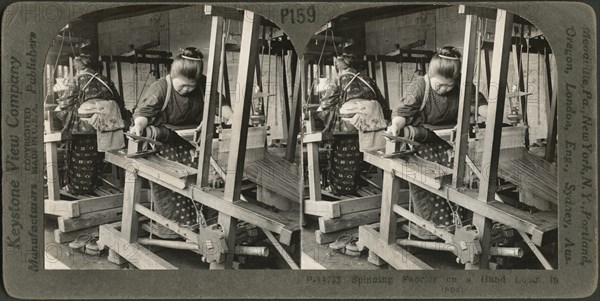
column 344, row 99
column 432, row 99
column 177, row 99
column 94, row 113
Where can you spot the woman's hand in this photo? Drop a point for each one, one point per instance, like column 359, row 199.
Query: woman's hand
column 397, row 125
column 140, row 124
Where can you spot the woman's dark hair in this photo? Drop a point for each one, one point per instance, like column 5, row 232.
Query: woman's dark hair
column 346, row 59
column 446, row 63
column 86, row 60
column 188, row 64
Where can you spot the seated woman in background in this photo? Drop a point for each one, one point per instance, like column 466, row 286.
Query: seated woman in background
column 343, row 106
column 94, row 113
column 432, row 99
column 177, row 99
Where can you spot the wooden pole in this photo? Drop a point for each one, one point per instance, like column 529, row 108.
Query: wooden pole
column 283, row 88
column 282, row 93
column 239, row 129
column 389, row 196
column 120, row 80
column 131, row 197
column 211, row 100
column 493, row 131
column 552, row 121
column 464, row 102
column 384, row 79
column 296, row 114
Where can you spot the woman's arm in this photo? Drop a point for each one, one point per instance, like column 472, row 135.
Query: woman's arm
column 410, row 106
column 151, row 103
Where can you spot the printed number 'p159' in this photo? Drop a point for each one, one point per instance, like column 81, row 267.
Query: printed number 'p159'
column 298, row 15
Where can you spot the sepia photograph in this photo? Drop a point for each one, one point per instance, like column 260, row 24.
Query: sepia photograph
column 166, row 141
column 304, row 149
column 430, row 133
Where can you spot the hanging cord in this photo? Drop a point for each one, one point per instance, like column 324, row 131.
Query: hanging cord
column 333, row 40
column 137, row 100
column 71, row 42
column 455, row 216
column 199, row 214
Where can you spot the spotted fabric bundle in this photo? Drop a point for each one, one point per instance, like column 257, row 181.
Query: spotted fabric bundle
column 82, row 164
column 344, row 165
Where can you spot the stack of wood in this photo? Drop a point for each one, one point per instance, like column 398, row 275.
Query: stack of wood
column 87, row 212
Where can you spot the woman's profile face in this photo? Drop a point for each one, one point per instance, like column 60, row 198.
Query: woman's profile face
column 442, row 85
column 184, row 85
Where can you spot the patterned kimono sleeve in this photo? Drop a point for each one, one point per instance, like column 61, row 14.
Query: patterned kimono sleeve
column 332, row 95
column 410, row 105
column 150, row 105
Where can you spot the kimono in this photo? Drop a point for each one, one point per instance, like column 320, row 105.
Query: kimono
column 345, row 157
column 84, row 162
column 180, row 110
column 438, row 110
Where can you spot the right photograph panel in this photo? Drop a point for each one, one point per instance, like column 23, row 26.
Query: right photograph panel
column 430, row 140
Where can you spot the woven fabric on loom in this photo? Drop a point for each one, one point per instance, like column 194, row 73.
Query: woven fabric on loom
column 275, row 173
column 530, row 172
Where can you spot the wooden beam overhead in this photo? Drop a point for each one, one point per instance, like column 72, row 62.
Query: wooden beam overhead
column 233, row 14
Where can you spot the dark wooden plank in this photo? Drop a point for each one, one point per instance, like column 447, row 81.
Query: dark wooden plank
column 349, row 221
column 283, row 87
column 91, row 219
column 297, row 99
column 384, row 78
column 552, row 114
column 120, row 79
column 64, row 237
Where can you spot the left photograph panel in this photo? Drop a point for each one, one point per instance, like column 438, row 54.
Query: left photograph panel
column 170, row 136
